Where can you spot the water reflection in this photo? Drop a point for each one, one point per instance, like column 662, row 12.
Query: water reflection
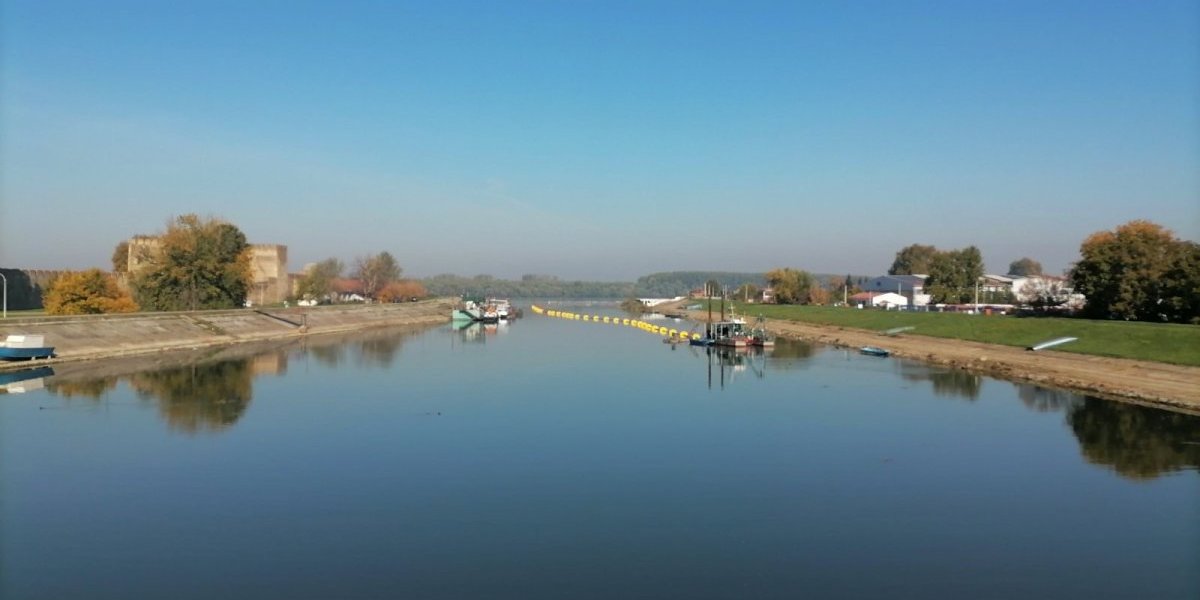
column 726, row 364
column 477, row 332
column 24, row 380
column 1042, row 399
column 946, row 382
column 208, row 397
column 1136, row 441
column 210, row 390
column 789, row 354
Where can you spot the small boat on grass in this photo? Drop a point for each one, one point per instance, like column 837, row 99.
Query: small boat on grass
column 874, row 351
column 25, row 347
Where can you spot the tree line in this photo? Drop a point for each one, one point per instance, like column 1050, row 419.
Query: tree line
column 1139, row 271
column 204, row 263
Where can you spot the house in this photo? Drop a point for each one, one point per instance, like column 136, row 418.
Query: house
column 876, row 299
column 911, row 287
column 768, row 295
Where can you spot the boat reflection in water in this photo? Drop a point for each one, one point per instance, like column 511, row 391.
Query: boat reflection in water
column 477, row 332
column 25, row 380
column 730, row 363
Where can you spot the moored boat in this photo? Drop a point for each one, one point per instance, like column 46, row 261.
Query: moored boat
column 25, row 347
column 873, row 351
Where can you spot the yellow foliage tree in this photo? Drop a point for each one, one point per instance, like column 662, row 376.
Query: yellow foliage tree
column 90, row 292
column 399, row 291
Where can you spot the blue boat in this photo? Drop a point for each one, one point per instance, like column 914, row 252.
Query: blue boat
column 873, row 351
column 25, row 347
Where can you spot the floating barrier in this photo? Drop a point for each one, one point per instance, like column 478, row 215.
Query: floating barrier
column 670, row 334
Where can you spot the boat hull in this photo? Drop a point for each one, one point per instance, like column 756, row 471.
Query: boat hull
column 26, row 353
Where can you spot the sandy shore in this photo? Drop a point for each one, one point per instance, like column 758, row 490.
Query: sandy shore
column 1159, row 384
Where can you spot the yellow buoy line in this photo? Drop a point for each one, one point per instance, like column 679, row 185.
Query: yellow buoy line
column 621, row 321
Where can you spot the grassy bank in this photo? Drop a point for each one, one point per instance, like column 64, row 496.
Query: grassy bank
column 1176, row 344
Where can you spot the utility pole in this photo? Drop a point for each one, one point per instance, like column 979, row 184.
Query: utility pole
column 5, row 295
column 976, row 296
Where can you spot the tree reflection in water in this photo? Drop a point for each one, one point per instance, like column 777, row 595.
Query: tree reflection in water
column 329, row 355
column 946, row 382
column 93, row 389
column 1042, row 399
column 381, row 351
column 788, row 354
column 1136, row 441
column 202, row 397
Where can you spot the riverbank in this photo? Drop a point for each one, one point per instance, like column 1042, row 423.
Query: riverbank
column 103, row 336
column 1144, row 382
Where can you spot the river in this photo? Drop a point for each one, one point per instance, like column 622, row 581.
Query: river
column 568, row 459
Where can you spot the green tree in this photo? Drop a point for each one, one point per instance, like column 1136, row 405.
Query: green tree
column 376, row 272
column 913, row 260
column 792, row 286
column 1181, row 285
column 90, row 292
column 954, row 274
column 1025, row 267
column 199, row 264
column 317, row 282
column 1140, row 271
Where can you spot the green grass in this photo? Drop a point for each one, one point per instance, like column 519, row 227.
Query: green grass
column 1159, row 342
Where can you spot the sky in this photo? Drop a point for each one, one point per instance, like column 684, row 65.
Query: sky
column 598, row 140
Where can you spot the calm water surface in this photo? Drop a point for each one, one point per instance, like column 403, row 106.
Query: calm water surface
column 555, row 459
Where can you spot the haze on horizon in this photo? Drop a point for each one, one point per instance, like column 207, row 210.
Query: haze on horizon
column 598, row 141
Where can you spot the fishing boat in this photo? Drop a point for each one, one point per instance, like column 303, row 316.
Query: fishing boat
column 873, row 351
column 25, row 347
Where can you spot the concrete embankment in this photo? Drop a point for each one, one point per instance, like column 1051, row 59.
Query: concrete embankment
column 101, row 336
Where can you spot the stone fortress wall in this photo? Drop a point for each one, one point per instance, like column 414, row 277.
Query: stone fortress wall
column 270, row 283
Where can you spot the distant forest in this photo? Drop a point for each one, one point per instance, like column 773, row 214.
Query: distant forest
column 655, row 285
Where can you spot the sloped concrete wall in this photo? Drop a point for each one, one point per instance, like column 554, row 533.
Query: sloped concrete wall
column 96, row 336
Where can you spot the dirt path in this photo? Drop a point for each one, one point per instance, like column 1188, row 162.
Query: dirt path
column 1161, row 384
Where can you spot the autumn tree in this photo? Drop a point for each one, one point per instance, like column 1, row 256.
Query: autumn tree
column 1140, row 271
column 792, row 286
column 317, row 282
column 90, row 292
column 199, row 264
column 376, row 272
column 120, row 257
column 953, row 275
column 913, row 260
column 1025, row 267
column 399, row 291
column 818, row 294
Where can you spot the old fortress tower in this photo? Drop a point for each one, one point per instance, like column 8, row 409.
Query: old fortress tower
column 268, row 267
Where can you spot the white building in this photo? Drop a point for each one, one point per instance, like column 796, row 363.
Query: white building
column 879, row 299
column 909, row 286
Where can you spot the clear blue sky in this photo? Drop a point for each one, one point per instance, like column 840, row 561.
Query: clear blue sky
column 599, row 140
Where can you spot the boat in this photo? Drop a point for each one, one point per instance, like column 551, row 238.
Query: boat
column 471, row 311
column 25, row 347
column 874, row 351
column 759, row 336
